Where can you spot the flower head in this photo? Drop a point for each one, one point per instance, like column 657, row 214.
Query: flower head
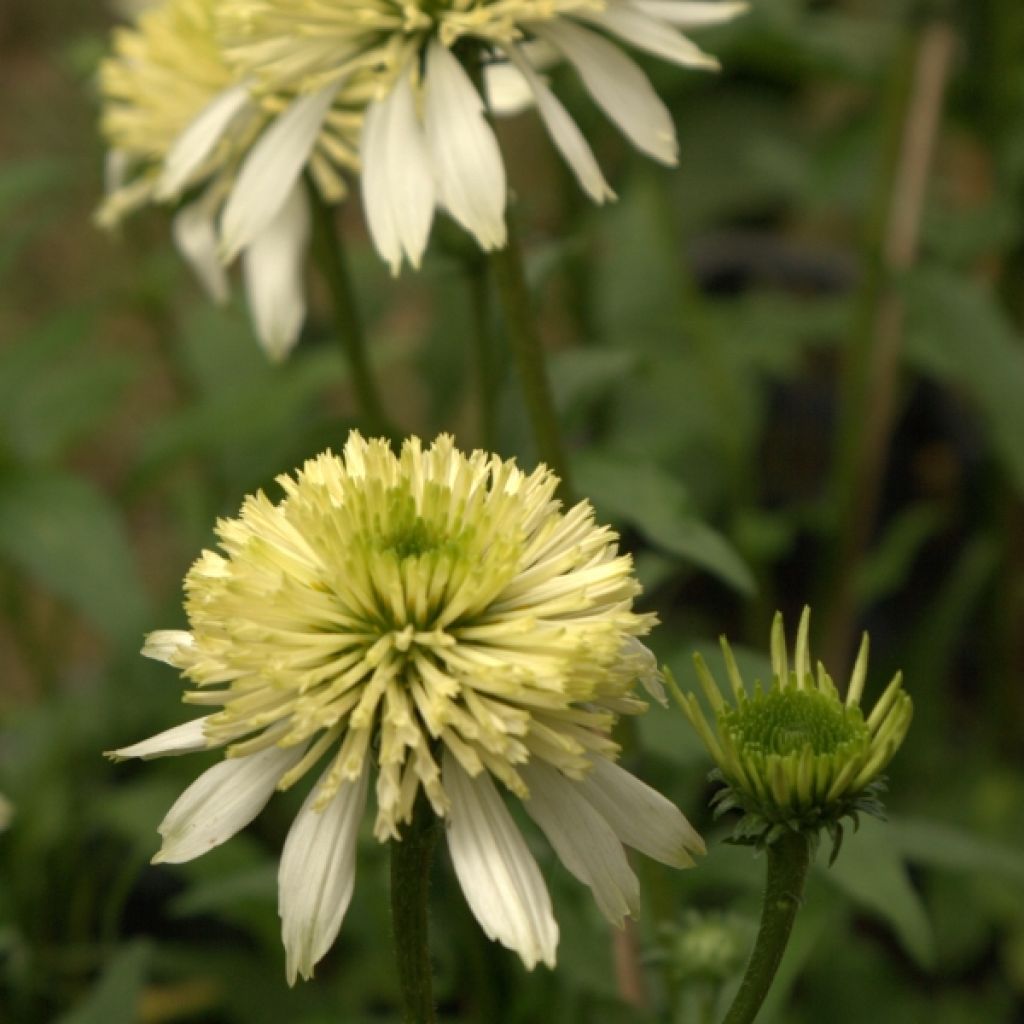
column 426, row 140
column 431, row 622
column 794, row 756
column 179, row 122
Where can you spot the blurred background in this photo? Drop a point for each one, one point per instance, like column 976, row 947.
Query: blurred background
column 790, row 371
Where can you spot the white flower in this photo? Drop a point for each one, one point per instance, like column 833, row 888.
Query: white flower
column 426, row 139
column 428, row 625
column 179, row 123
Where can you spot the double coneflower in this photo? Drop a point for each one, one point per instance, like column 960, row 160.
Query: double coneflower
column 435, row 627
column 426, row 141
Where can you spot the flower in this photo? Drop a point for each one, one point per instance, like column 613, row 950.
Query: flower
column 434, row 623
column 179, row 122
column 426, row 140
column 795, row 757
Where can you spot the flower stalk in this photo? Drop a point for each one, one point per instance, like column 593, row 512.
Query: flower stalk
column 331, row 258
column 787, row 863
column 524, row 340
column 410, row 887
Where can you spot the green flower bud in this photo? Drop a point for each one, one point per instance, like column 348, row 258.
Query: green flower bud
column 709, row 947
column 795, row 756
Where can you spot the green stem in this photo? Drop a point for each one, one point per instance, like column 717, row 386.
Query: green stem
column 788, row 861
column 410, row 884
column 484, row 361
column 330, row 255
column 524, row 339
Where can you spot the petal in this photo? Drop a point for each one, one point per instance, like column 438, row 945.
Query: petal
column 398, row 187
column 640, row 816
column 650, row 34
column 196, row 238
column 318, row 873
column 684, row 14
column 222, row 801
column 499, row 877
column 182, row 739
column 508, row 92
column 273, row 269
column 563, row 130
column 195, row 144
column 271, row 170
column 167, row 645
column 468, row 168
column 584, row 841
column 618, row 86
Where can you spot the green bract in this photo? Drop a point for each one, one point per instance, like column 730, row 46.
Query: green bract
column 795, row 756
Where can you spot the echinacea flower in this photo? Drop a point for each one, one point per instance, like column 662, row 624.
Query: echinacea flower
column 434, row 626
column 426, row 140
column 795, row 756
column 179, row 123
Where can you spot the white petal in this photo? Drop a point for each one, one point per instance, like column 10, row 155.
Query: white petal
column 222, row 801
column 650, row 34
column 468, row 168
column 116, row 168
column 182, row 739
column 318, row 873
column 398, row 187
column 563, row 130
column 167, row 645
column 584, row 841
column 273, row 268
column 271, row 170
column 618, row 86
column 196, row 238
column 684, row 14
column 640, row 816
column 508, row 93
column 195, row 144
column 499, row 877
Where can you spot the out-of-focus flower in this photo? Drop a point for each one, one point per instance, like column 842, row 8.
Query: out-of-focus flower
column 426, row 141
column 179, row 123
column 432, row 623
column 6, row 812
column 795, row 756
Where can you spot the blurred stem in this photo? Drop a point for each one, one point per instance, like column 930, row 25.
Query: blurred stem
column 485, row 357
column 788, row 861
column 410, row 886
column 331, row 258
column 871, row 376
column 524, row 338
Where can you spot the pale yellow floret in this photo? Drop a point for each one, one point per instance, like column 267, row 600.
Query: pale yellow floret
column 392, row 606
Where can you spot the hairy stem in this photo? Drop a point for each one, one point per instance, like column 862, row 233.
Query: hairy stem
column 410, row 887
column 524, row 340
column 330, row 256
column 788, row 861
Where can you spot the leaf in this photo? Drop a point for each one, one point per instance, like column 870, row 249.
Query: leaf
column 582, row 375
column 69, row 537
column 940, row 845
column 957, row 331
column 871, row 871
column 647, row 498
column 888, row 565
column 114, row 999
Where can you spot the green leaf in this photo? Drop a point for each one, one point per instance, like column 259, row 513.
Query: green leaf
column 957, row 331
column 888, row 565
column 871, row 871
column 647, row 498
column 940, row 845
column 114, row 999
column 69, row 537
